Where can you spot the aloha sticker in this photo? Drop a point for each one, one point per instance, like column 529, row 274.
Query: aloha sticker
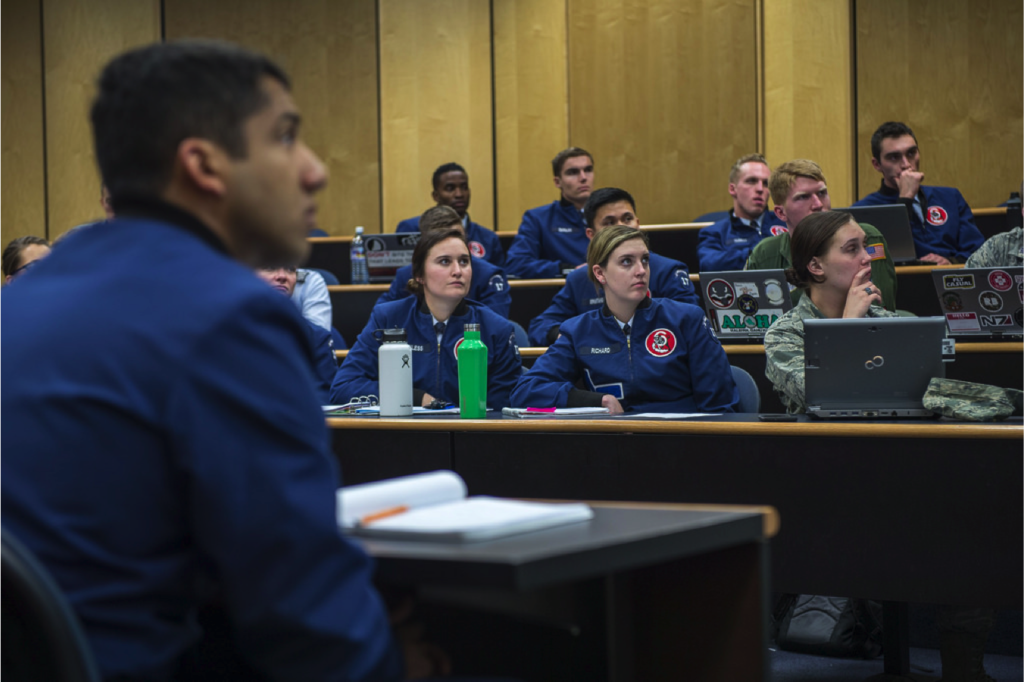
column 1000, row 280
column 990, row 301
column 477, row 249
column 720, row 293
column 660, row 342
column 937, row 216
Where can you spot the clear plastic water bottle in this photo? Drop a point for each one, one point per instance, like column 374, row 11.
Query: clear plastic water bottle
column 357, row 255
column 394, row 373
column 472, row 374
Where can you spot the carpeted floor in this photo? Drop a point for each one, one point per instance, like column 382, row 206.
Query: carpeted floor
column 925, row 666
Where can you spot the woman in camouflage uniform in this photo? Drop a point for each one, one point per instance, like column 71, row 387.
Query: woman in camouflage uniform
column 829, row 261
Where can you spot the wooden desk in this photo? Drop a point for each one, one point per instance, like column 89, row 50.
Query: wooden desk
column 634, row 582
column 929, row 512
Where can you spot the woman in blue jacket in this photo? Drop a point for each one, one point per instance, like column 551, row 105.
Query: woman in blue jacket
column 433, row 320
column 635, row 354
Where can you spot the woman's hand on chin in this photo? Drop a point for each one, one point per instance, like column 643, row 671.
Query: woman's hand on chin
column 862, row 294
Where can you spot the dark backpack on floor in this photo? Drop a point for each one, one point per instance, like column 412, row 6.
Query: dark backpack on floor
column 828, row 626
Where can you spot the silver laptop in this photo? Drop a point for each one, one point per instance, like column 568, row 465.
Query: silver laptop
column 872, row 368
column 894, row 224
column 742, row 304
column 386, row 253
column 982, row 303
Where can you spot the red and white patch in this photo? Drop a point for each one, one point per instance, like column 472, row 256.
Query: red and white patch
column 660, row 342
column 455, row 350
column 937, row 216
column 1000, row 280
column 776, row 230
column 477, row 249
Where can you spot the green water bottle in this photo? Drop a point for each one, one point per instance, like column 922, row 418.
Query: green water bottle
column 472, row 357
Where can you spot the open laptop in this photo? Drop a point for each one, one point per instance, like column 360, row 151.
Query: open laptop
column 872, row 368
column 742, row 304
column 982, row 303
column 386, row 253
column 894, row 224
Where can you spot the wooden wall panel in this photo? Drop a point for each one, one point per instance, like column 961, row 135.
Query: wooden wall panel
column 663, row 93
column 531, row 110
column 808, row 82
column 80, row 37
column 952, row 71
column 329, row 50
column 24, row 198
column 435, row 94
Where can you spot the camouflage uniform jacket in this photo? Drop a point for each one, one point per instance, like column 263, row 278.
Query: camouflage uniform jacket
column 1001, row 251
column 784, row 351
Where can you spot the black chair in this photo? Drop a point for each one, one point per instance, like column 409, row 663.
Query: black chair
column 41, row 638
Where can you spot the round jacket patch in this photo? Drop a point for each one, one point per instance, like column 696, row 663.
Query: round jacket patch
column 660, row 342
column 937, row 216
column 477, row 249
column 776, row 230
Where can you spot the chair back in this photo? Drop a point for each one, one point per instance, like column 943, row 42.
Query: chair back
column 42, row 639
column 750, row 396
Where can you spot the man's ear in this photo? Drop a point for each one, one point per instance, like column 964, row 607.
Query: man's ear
column 590, row 232
column 876, row 165
column 558, row 182
column 204, row 164
column 814, row 267
column 780, row 213
column 433, row 195
column 732, row 190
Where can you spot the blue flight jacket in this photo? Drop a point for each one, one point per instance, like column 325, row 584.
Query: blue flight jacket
column 434, row 366
column 669, row 279
column 180, row 448
column 551, row 238
column 671, row 362
column 727, row 244
column 948, row 228
column 483, row 243
column 488, row 286
column 325, row 364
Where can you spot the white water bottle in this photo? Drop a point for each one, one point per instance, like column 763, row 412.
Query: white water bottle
column 394, row 369
column 357, row 258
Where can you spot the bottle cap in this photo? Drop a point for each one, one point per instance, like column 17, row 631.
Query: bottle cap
column 393, row 335
column 359, row 229
column 471, row 328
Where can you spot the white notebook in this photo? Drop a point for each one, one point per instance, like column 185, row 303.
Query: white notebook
column 434, row 507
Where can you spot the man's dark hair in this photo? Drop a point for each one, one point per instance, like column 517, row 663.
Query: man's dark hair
column 602, row 197
column 11, row 259
column 565, row 155
column 446, row 168
column 887, row 130
column 152, row 98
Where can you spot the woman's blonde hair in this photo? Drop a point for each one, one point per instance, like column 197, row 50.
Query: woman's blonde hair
column 605, row 242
